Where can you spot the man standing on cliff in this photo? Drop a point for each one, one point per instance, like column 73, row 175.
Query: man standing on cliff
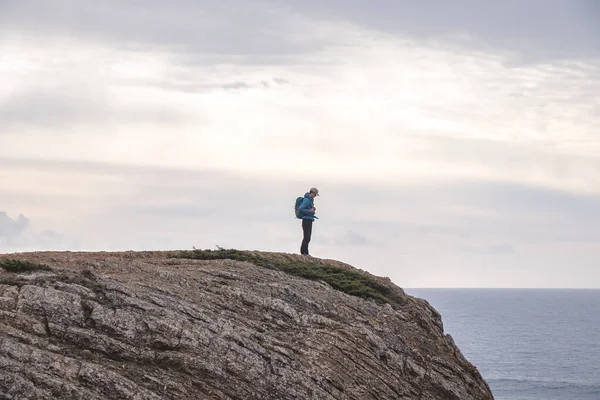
column 307, row 211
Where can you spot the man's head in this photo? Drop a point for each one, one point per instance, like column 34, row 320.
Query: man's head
column 314, row 192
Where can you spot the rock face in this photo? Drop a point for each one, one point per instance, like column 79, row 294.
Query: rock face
column 144, row 326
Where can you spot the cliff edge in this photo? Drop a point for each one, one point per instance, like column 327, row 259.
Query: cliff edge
column 218, row 325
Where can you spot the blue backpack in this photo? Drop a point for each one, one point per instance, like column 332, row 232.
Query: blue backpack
column 299, row 201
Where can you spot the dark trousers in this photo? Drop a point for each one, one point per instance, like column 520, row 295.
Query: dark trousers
column 307, row 229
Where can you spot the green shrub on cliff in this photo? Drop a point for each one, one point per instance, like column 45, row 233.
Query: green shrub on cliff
column 345, row 280
column 17, row 266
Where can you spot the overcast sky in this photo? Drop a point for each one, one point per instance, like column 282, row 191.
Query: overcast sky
column 455, row 144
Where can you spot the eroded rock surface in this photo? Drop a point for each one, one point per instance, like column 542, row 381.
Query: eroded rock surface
column 143, row 326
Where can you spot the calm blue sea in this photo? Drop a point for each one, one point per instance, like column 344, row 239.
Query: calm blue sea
column 528, row 344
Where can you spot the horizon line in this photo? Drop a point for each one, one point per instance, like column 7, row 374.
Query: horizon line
column 501, row 288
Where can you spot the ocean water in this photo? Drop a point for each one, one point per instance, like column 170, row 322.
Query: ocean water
column 528, row 344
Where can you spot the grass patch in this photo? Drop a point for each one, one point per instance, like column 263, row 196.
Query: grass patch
column 345, row 280
column 17, row 266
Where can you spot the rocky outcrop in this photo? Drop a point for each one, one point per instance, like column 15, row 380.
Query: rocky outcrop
column 145, row 326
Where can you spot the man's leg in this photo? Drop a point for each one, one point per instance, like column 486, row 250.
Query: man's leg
column 303, row 247
column 307, row 229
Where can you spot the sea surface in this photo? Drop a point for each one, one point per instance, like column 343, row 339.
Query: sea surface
column 528, row 344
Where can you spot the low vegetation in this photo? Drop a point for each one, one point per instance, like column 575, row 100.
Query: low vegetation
column 345, row 280
column 17, row 266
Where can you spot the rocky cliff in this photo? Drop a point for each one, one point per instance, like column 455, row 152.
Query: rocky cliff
column 143, row 325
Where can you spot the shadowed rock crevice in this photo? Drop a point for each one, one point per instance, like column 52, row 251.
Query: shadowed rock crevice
column 147, row 326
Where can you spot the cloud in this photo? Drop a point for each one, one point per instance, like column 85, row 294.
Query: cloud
column 182, row 26
column 10, row 228
column 67, row 107
column 18, row 235
column 537, row 30
column 358, row 94
column 501, row 249
column 352, row 239
column 236, row 85
column 258, row 31
column 493, row 249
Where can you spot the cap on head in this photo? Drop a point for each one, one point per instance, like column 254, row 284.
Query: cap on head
column 315, row 191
